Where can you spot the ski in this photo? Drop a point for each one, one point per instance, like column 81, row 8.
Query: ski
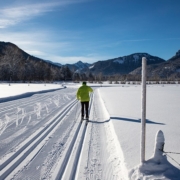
column 87, row 120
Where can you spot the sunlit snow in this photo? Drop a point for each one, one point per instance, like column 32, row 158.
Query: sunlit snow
column 111, row 145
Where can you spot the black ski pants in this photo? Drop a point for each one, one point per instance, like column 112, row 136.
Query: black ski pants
column 85, row 105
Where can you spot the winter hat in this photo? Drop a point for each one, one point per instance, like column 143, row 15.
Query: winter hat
column 84, row 83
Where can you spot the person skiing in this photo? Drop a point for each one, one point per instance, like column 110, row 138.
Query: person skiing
column 83, row 95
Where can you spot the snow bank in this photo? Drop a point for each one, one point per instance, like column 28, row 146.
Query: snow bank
column 16, row 91
column 124, row 106
column 156, row 167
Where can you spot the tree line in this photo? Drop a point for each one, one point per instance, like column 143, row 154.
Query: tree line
column 121, row 77
column 29, row 71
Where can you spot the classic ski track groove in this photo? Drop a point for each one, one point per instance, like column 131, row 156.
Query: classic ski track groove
column 74, row 152
column 17, row 158
column 26, row 102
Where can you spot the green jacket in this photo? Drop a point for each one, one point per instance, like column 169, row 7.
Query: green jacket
column 83, row 93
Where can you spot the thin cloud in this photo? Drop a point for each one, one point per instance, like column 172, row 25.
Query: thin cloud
column 117, row 43
column 46, row 49
column 13, row 15
column 35, row 52
column 132, row 40
column 27, row 41
column 161, row 39
column 74, row 59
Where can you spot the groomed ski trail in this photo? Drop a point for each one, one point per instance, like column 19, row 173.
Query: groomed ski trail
column 70, row 149
column 29, row 160
column 101, row 156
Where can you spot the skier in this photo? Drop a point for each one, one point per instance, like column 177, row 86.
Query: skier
column 83, row 95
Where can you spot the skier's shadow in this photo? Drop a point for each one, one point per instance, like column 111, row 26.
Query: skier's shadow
column 99, row 122
column 135, row 120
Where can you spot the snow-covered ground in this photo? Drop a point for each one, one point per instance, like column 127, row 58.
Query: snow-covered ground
column 41, row 136
column 124, row 107
column 11, row 91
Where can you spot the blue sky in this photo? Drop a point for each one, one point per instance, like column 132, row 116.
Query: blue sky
column 67, row 31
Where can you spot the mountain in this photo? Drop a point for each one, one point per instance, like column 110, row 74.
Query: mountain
column 169, row 69
column 177, row 56
column 78, row 67
column 120, row 65
column 123, row 65
column 9, row 50
column 15, row 64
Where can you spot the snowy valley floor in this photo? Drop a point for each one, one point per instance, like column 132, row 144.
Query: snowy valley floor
column 41, row 135
column 124, row 107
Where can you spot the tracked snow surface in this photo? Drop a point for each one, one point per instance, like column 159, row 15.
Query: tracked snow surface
column 42, row 137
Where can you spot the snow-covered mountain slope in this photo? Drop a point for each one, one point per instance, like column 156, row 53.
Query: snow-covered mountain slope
column 123, row 65
column 167, row 70
column 120, row 65
column 17, row 65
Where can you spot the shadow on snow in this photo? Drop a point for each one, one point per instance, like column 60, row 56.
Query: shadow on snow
column 99, row 122
column 25, row 95
column 135, row 120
